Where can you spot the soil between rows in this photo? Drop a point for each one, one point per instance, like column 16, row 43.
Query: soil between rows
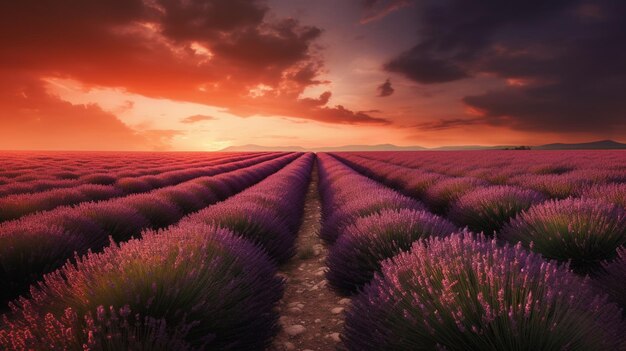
column 311, row 314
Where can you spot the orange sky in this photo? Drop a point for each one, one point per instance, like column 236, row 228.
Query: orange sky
column 207, row 74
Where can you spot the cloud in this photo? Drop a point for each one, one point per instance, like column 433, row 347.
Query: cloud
column 417, row 66
column 560, row 62
column 452, row 35
column 340, row 114
column 211, row 52
column 197, row 118
column 374, row 10
column 444, row 124
column 30, row 118
column 385, row 89
column 161, row 139
column 312, row 109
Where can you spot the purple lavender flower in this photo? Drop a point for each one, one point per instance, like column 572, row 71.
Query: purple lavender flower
column 156, row 209
column 253, row 222
column 583, row 231
column 359, row 252
column 612, row 192
column 443, row 193
column 361, row 205
column 612, row 279
column 214, row 288
column 488, row 209
column 38, row 244
column 559, row 186
column 117, row 220
column 466, row 293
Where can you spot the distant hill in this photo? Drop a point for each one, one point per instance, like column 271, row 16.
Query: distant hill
column 253, row 147
column 595, row 145
column 380, row 147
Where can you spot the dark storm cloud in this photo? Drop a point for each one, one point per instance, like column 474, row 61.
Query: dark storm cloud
column 420, row 68
column 385, row 89
column 563, row 61
column 453, row 34
column 197, row 19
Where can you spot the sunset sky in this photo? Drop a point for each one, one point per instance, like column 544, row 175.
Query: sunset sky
column 207, row 74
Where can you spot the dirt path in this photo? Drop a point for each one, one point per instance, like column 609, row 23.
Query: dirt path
column 311, row 313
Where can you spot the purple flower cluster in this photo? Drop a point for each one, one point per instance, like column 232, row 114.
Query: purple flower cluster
column 487, row 209
column 556, row 174
column 359, row 252
column 467, row 293
column 445, row 192
column 98, row 168
column 25, row 255
column 198, row 285
column 261, row 219
column 611, row 192
column 559, row 186
column 612, row 280
column 583, row 231
column 347, row 195
column 15, row 206
column 414, row 182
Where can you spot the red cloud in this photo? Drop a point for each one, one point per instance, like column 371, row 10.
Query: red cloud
column 221, row 53
column 30, row 118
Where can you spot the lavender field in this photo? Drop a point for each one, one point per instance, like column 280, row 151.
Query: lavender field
column 463, row 250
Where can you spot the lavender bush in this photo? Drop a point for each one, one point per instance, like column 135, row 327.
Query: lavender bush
column 443, row 193
column 159, row 211
column 583, row 231
column 612, row 280
column 359, row 252
column 466, row 293
column 612, row 192
column 196, row 283
column 30, row 248
column 363, row 204
column 253, row 222
column 488, row 209
column 41, row 242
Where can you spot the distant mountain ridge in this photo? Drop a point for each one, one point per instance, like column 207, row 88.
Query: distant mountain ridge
column 594, row 145
column 380, row 147
column 254, row 147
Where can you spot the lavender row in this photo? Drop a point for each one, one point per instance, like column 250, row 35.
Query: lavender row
column 472, row 201
column 205, row 283
column 439, row 191
column 466, row 292
column 91, row 169
column 368, row 222
column 187, row 288
column 124, row 180
column 15, row 206
column 432, row 300
column 70, row 165
column 267, row 214
column 556, row 174
column 583, row 231
column 499, row 166
column 34, row 245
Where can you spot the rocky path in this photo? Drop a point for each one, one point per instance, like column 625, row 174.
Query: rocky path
column 311, row 313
